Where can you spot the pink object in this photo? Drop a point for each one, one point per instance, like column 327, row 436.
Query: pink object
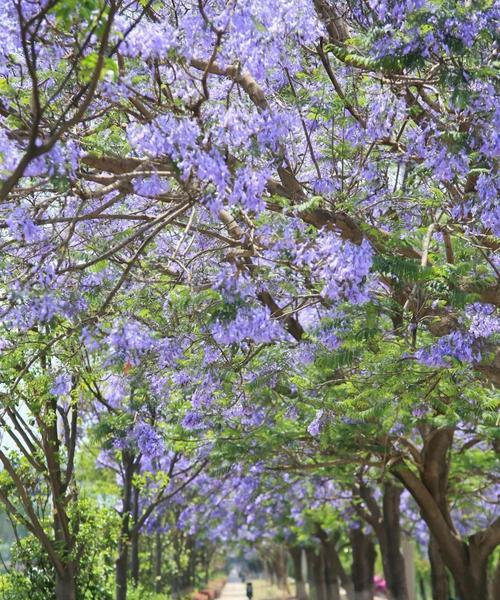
column 379, row 583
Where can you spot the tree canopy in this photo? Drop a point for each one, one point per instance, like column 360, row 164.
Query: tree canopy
column 249, row 289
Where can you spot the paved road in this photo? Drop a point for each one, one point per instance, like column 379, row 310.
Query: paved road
column 234, row 590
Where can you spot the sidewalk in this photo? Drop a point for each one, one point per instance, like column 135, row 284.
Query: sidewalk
column 234, row 591
column 262, row 590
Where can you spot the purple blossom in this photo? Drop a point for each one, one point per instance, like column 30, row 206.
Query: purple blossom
column 150, row 40
column 116, row 389
column 192, row 420
column 129, row 341
column 317, row 424
column 181, row 378
column 148, row 440
column 248, row 189
column 488, row 209
column 340, row 267
column 151, row 186
column 62, row 385
column 250, row 324
column 420, row 410
column 464, row 346
column 484, row 320
column 22, row 227
column 329, row 339
column 203, row 396
column 456, row 345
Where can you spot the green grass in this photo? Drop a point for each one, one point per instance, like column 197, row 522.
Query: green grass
column 264, row 590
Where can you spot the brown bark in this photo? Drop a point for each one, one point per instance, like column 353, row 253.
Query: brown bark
column 332, row 579
column 363, row 564
column 277, row 563
column 66, row 583
column 392, row 558
column 135, row 537
column 272, row 573
column 45, row 441
column 300, row 584
column 335, row 24
column 467, row 562
column 439, row 576
column 385, row 522
column 158, row 562
column 316, row 574
column 495, row 583
column 121, row 564
column 421, row 585
column 345, row 579
column 206, row 561
column 334, row 564
column 280, row 566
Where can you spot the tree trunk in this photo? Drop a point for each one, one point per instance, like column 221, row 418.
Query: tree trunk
column 421, row 583
column 66, row 583
column 495, row 582
column 345, row 579
column 135, row 538
column 316, row 574
column 121, row 569
column 467, row 562
column 300, row 584
column 121, row 564
column 385, row 522
column 158, row 562
column 439, row 576
column 363, row 564
column 331, row 575
column 279, row 563
column 192, row 564
column 207, row 559
column 271, row 571
column 392, row 558
column 334, row 564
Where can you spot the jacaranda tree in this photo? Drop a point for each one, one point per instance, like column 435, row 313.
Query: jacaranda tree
column 252, row 235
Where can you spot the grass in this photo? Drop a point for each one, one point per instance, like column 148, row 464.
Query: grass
column 264, row 590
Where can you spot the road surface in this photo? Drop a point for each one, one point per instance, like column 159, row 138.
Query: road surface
column 234, row 590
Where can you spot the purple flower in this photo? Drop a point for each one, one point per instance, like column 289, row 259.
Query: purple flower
column 204, row 394
column 329, row 339
column 129, row 341
column 248, row 189
column 116, row 390
column 317, row 424
column 250, row 324
column 22, row 227
column 484, row 320
column 151, row 186
column 456, row 345
column 192, row 420
column 148, row 440
column 62, row 385
column 340, row 267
